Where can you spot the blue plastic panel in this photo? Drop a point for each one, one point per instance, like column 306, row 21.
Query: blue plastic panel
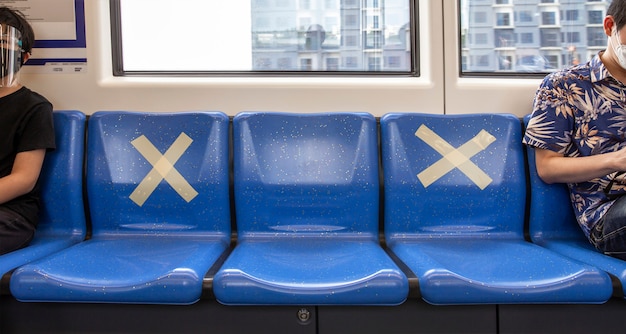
column 153, row 241
column 306, row 197
column 310, row 271
column 117, row 166
column 553, row 224
column 453, row 204
column 459, row 225
column 150, row 269
column 306, row 173
column 62, row 216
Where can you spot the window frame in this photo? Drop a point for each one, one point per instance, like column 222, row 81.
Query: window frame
column 119, row 71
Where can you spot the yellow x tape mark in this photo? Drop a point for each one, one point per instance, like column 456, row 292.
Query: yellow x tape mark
column 455, row 158
column 162, row 168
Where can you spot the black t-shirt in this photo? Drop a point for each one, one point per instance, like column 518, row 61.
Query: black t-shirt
column 26, row 124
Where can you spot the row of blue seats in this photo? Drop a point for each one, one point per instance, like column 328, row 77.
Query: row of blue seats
column 306, row 193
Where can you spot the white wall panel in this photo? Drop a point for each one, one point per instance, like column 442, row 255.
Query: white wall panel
column 98, row 89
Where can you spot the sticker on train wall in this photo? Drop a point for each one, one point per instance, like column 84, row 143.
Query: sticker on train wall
column 61, row 41
column 162, row 169
column 455, row 157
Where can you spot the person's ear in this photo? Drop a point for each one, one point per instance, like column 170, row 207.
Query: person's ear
column 609, row 25
column 25, row 57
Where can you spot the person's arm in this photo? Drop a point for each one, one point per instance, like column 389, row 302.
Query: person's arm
column 553, row 167
column 24, row 175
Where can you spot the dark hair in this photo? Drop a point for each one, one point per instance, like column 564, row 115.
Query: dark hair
column 16, row 19
column 617, row 10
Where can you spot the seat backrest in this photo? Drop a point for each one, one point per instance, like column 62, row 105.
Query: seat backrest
column 311, row 174
column 158, row 173
column 453, row 175
column 61, row 180
column 551, row 215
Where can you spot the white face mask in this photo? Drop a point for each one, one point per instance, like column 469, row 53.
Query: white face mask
column 619, row 48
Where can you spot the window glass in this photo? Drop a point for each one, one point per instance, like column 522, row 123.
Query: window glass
column 529, row 36
column 264, row 35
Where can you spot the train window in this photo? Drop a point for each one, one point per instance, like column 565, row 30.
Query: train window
column 529, row 36
column 200, row 37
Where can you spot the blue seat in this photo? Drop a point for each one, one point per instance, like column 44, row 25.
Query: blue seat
column 158, row 190
column 62, row 216
column 455, row 194
column 307, row 204
column 552, row 224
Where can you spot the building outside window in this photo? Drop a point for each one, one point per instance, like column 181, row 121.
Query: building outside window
column 544, row 36
column 269, row 36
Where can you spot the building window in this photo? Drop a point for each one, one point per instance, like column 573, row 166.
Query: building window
column 351, row 62
column 527, row 38
column 549, row 37
column 285, row 64
column 548, row 18
column 571, row 15
column 595, row 17
column 332, row 64
column 394, row 62
column 481, row 39
column 373, row 63
column 503, row 19
column 480, row 17
column 306, row 64
column 482, row 61
column 264, row 63
column 525, row 16
column 571, row 37
column 596, row 36
column 504, row 38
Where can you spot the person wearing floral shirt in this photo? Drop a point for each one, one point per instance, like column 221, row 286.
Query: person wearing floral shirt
column 578, row 131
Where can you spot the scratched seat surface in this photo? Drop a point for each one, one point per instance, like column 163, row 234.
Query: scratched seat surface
column 62, row 216
column 158, row 195
column 455, row 196
column 307, row 204
column 553, row 224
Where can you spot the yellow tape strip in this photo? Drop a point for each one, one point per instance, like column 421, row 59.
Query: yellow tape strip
column 455, row 158
column 163, row 168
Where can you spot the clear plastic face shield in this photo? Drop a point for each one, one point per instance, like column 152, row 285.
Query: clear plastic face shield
column 10, row 55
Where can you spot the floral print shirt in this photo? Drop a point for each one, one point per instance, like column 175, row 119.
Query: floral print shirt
column 580, row 111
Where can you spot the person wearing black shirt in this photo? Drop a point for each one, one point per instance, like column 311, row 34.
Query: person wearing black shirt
column 26, row 134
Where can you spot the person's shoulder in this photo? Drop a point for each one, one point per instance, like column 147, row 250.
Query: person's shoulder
column 34, row 96
column 579, row 74
column 33, row 101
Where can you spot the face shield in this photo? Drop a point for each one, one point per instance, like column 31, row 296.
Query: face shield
column 10, row 55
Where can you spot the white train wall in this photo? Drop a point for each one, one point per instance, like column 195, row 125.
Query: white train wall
column 439, row 89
